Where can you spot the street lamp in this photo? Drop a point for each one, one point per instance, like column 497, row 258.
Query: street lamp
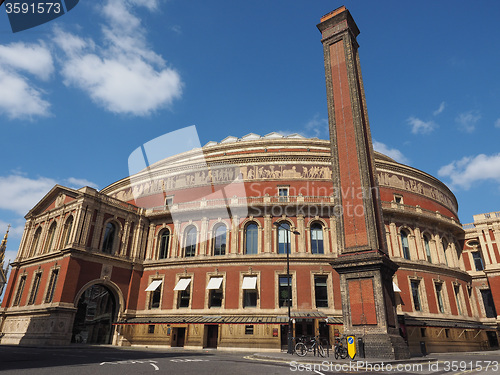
column 278, row 225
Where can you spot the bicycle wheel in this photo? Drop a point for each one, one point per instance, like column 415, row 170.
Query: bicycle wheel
column 300, row 349
column 321, row 350
column 343, row 352
column 336, row 352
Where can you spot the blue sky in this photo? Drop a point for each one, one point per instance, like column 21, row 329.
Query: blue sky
column 80, row 93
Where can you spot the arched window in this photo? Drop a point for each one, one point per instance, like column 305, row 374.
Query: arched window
column 317, row 239
column 50, row 237
column 445, row 250
column 36, row 240
column 164, row 242
column 219, row 242
column 251, row 238
column 427, row 248
column 405, row 245
column 109, row 238
column 283, row 238
column 190, row 242
column 67, row 231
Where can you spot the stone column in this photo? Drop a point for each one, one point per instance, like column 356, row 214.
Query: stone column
column 233, row 248
column 268, row 237
column 203, row 237
column 396, row 251
column 97, row 230
column 419, row 244
column 301, row 238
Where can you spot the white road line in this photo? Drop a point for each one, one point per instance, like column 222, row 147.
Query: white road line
column 156, row 367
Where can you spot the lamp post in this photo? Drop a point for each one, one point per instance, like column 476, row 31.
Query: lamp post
column 289, row 286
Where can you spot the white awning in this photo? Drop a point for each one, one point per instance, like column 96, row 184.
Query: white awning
column 396, row 288
column 249, row 282
column 215, row 283
column 182, row 284
column 154, row 285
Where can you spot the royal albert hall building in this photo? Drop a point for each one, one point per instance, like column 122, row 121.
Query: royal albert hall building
column 192, row 252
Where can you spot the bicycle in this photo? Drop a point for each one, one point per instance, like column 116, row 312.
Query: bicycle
column 341, row 348
column 305, row 346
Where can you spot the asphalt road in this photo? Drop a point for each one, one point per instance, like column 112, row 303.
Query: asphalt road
column 84, row 360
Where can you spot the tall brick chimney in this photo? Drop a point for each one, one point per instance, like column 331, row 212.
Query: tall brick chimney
column 368, row 302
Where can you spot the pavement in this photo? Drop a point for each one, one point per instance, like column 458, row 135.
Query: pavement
column 310, row 358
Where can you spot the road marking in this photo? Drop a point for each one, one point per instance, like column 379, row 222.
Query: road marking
column 131, row 362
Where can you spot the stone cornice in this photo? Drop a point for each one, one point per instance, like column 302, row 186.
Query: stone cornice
column 423, row 266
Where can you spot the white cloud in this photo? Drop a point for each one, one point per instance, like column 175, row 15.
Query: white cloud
column 467, row 121
column 19, row 97
column 317, row 127
column 122, row 73
column 497, row 123
column 78, row 183
column 32, row 58
column 440, row 109
column 20, row 194
column 391, row 152
column 421, row 127
column 466, row 172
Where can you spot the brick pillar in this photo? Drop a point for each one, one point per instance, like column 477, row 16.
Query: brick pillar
column 368, row 302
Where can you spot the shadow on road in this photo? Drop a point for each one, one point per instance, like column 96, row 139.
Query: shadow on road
column 19, row 357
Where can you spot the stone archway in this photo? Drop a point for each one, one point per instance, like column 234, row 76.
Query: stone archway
column 96, row 311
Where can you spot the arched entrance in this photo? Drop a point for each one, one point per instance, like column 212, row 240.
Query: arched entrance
column 95, row 314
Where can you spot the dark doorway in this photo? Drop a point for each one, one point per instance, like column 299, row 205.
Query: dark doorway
column 212, row 336
column 492, row 339
column 284, row 336
column 304, row 327
column 178, row 336
column 95, row 314
column 324, row 334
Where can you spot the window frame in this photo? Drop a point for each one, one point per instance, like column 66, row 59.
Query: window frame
column 245, row 292
column 415, row 292
column 219, row 249
column 51, row 285
column 443, row 242
column 427, row 247
column 190, row 234
column 326, row 278
column 405, row 249
column 180, row 295
column 438, row 287
column 20, row 290
column 477, row 256
column 35, row 287
column 36, row 241
column 280, row 290
column 314, row 228
column 156, row 294
column 109, row 238
column 283, row 189
column 163, row 250
column 68, row 226
column 49, row 240
column 458, row 298
column 287, row 235
column 254, row 241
